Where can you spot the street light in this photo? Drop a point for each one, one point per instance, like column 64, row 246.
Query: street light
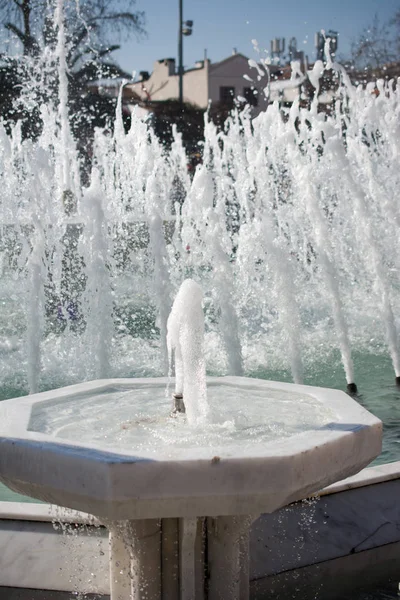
column 185, row 28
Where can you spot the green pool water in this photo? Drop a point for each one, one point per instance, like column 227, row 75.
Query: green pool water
column 377, row 393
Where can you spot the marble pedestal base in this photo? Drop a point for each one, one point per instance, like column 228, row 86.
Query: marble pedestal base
column 180, row 559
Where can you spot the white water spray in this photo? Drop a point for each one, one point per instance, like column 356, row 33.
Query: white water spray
column 288, row 225
column 186, row 338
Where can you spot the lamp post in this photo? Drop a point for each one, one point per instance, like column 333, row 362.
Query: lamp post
column 185, row 28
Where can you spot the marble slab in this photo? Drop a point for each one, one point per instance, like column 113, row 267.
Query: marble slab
column 22, row 511
column 344, row 577
column 36, row 555
column 368, row 476
column 31, row 511
column 325, row 528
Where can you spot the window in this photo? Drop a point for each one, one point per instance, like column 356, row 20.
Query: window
column 226, row 95
column 250, row 94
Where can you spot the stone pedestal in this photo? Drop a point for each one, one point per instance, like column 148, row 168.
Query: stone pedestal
column 180, row 559
column 228, row 557
column 135, row 560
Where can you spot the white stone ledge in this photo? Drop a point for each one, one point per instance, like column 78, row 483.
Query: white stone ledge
column 25, row 511
column 368, row 476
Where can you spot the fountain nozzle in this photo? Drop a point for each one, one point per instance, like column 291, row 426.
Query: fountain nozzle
column 179, row 405
column 397, row 380
column 352, row 389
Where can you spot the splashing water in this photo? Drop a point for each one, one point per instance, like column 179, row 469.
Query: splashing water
column 290, row 226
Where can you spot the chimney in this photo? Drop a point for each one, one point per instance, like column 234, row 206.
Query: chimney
column 170, row 63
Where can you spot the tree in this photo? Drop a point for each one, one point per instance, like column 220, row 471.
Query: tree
column 92, row 28
column 395, row 23
column 101, row 20
column 188, row 119
column 378, row 44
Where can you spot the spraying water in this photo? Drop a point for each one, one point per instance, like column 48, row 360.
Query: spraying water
column 321, row 236
column 186, row 338
column 289, row 225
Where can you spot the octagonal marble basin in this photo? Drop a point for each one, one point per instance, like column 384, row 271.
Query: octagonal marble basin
column 111, row 448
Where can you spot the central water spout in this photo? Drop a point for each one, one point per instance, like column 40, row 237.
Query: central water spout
column 185, row 338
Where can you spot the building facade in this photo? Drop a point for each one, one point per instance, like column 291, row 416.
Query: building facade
column 219, row 82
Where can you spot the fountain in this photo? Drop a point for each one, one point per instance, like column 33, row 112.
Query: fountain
column 290, row 226
column 179, row 492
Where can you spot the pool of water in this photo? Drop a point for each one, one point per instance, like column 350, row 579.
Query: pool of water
column 138, row 417
column 377, row 393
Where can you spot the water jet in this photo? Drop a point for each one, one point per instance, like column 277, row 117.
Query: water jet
column 276, row 231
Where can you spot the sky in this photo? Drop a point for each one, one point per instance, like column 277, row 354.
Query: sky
column 221, row 25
